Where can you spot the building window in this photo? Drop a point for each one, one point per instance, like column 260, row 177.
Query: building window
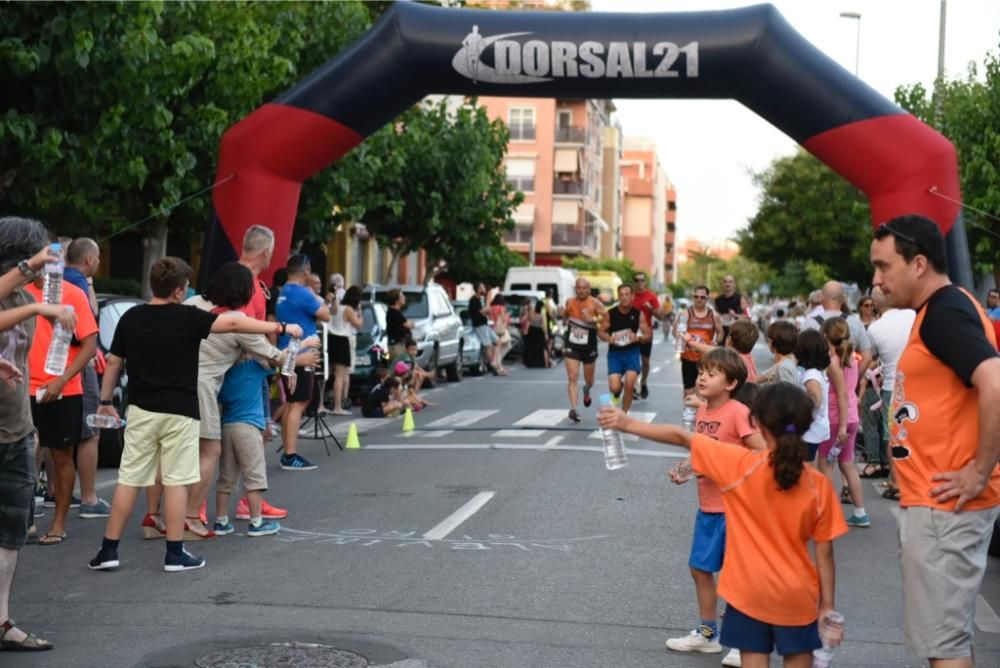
column 521, row 121
column 521, row 174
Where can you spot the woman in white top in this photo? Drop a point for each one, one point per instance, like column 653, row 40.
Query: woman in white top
column 812, row 352
column 345, row 320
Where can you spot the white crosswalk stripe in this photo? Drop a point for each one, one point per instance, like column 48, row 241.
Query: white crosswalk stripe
column 465, row 418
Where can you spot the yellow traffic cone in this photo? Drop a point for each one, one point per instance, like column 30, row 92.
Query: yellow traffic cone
column 408, row 421
column 353, row 443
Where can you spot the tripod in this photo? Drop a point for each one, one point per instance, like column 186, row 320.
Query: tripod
column 321, row 430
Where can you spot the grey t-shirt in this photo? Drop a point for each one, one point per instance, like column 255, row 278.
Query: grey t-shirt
column 785, row 371
column 859, row 335
column 15, row 408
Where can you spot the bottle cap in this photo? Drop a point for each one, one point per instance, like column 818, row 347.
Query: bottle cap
column 605, row 399
column 56, row 246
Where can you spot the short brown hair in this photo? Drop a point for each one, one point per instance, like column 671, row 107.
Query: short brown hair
column 743, row 335
column 168, row 274
column 729, row 363
column 783, row 335
column 392, row 296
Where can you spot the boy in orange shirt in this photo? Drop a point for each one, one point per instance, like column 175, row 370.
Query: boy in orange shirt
column 721, row 374
column 776, row 593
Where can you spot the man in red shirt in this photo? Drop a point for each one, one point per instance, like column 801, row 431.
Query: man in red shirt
column 646, row 301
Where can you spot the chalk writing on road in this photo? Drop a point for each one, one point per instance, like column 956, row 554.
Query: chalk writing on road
column 414, row 540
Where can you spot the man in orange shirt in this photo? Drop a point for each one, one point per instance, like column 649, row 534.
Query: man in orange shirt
column 944, row 440
column 57, row 401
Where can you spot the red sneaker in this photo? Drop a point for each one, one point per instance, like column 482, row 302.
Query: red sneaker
column 268, row 511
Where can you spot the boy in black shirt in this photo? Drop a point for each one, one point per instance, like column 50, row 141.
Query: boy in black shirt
column 158, row 343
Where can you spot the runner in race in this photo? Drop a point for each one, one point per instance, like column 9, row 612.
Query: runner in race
column 646, row 301
column 625, row 330
column 584, row 314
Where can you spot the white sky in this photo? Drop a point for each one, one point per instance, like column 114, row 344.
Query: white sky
column 707, row 147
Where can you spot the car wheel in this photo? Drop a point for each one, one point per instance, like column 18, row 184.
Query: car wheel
column 454, row 370
column 432, row 368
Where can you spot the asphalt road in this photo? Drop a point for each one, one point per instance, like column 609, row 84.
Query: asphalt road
column 492, row 536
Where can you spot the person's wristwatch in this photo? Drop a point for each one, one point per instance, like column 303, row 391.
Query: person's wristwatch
column 25, row 268
column 107, row 402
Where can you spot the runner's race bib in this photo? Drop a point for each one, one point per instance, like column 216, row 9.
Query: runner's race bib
column 578, row 336
column 620, row 338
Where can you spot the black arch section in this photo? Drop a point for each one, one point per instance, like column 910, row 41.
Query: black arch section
column 750, row 54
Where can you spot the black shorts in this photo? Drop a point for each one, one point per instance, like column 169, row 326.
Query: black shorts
column 303, row 386
column 17, row 489
column 689, row 373
column 586, row 355
column 338, row 350
column 59, row 423
column 646, row 349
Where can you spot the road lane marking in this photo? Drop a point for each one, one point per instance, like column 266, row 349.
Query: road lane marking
column 452, row 522
column 555, row 440
column 655, row 369
column 986, row 619
column 464, row 418
column 518, row 433
column 669, row 454
column 544, row 416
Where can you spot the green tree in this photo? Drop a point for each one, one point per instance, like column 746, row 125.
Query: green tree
column 115, row 110
column 433, row 180
column 808, row 212
column 967, row 111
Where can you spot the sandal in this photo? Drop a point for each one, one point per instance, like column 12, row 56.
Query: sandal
column 30, row 643
column 190, row 534
column 871, row 471
column 891, row 493
column 52, row 538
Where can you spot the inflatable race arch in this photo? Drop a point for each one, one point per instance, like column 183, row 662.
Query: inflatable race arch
column 750, row 54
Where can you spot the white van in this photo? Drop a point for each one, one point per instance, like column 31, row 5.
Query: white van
column 557, row 279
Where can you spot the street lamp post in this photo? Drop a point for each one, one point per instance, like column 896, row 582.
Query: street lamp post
column 855, row 16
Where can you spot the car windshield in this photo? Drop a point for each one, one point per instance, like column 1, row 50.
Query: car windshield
column 416, row 306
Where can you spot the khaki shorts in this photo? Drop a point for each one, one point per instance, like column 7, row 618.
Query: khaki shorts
column 208, row 408
column 242, row 452
column 161, row 441
column 943, row 558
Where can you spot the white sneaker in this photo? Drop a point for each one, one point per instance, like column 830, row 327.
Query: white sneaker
column 732, row 659
column 695, row 642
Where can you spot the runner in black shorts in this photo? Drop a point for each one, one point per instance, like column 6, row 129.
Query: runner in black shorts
column 583, row 314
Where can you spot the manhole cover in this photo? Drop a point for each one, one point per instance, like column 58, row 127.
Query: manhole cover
column 279, row 655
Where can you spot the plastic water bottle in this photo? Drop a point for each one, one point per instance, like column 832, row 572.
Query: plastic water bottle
column 614, row 444
column 834, row 453
column 688, row 416
column 52, row 276
column 288, row 366
column 682, row 470
column 104, row 421
column 682, row 328
column 831, row 632
column 55, row 358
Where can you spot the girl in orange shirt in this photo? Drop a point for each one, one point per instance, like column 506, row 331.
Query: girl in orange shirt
column 775, row 592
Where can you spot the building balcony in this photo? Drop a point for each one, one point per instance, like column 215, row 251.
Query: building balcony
column 570, row 135
column 575, row 240
column 521, row 234
column 560, row 187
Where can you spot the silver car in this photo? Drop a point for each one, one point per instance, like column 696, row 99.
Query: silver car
column 437, row 329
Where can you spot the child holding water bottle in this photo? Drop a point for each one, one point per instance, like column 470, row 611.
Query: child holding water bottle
column 775, row 592
column 721, row 374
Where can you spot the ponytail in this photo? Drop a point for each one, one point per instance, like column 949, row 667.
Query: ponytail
column 784, row 411
column 788, row 460
column 838, row 333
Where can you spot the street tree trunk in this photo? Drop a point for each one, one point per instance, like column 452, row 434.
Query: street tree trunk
column 154, row 247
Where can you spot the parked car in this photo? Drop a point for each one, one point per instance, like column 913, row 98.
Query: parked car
column 371, row 349
column 110, row 309
column 473, row 357
column 437, row 328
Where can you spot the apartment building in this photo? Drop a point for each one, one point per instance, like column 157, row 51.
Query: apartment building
column 555, row 157
column 649, row 211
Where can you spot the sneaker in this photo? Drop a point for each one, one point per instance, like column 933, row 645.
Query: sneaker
column 644, row 392
column 104, row 561
column 296, row 462
column 733, row 659
column 185, row 561
column 862, row 522
column 265, row 528
column 586, row 396
column 573, row 416
column 615, row 400
column 268, row 511
column 100, row 509
column 695, row 642
column 49, row 501
column 221, row 529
